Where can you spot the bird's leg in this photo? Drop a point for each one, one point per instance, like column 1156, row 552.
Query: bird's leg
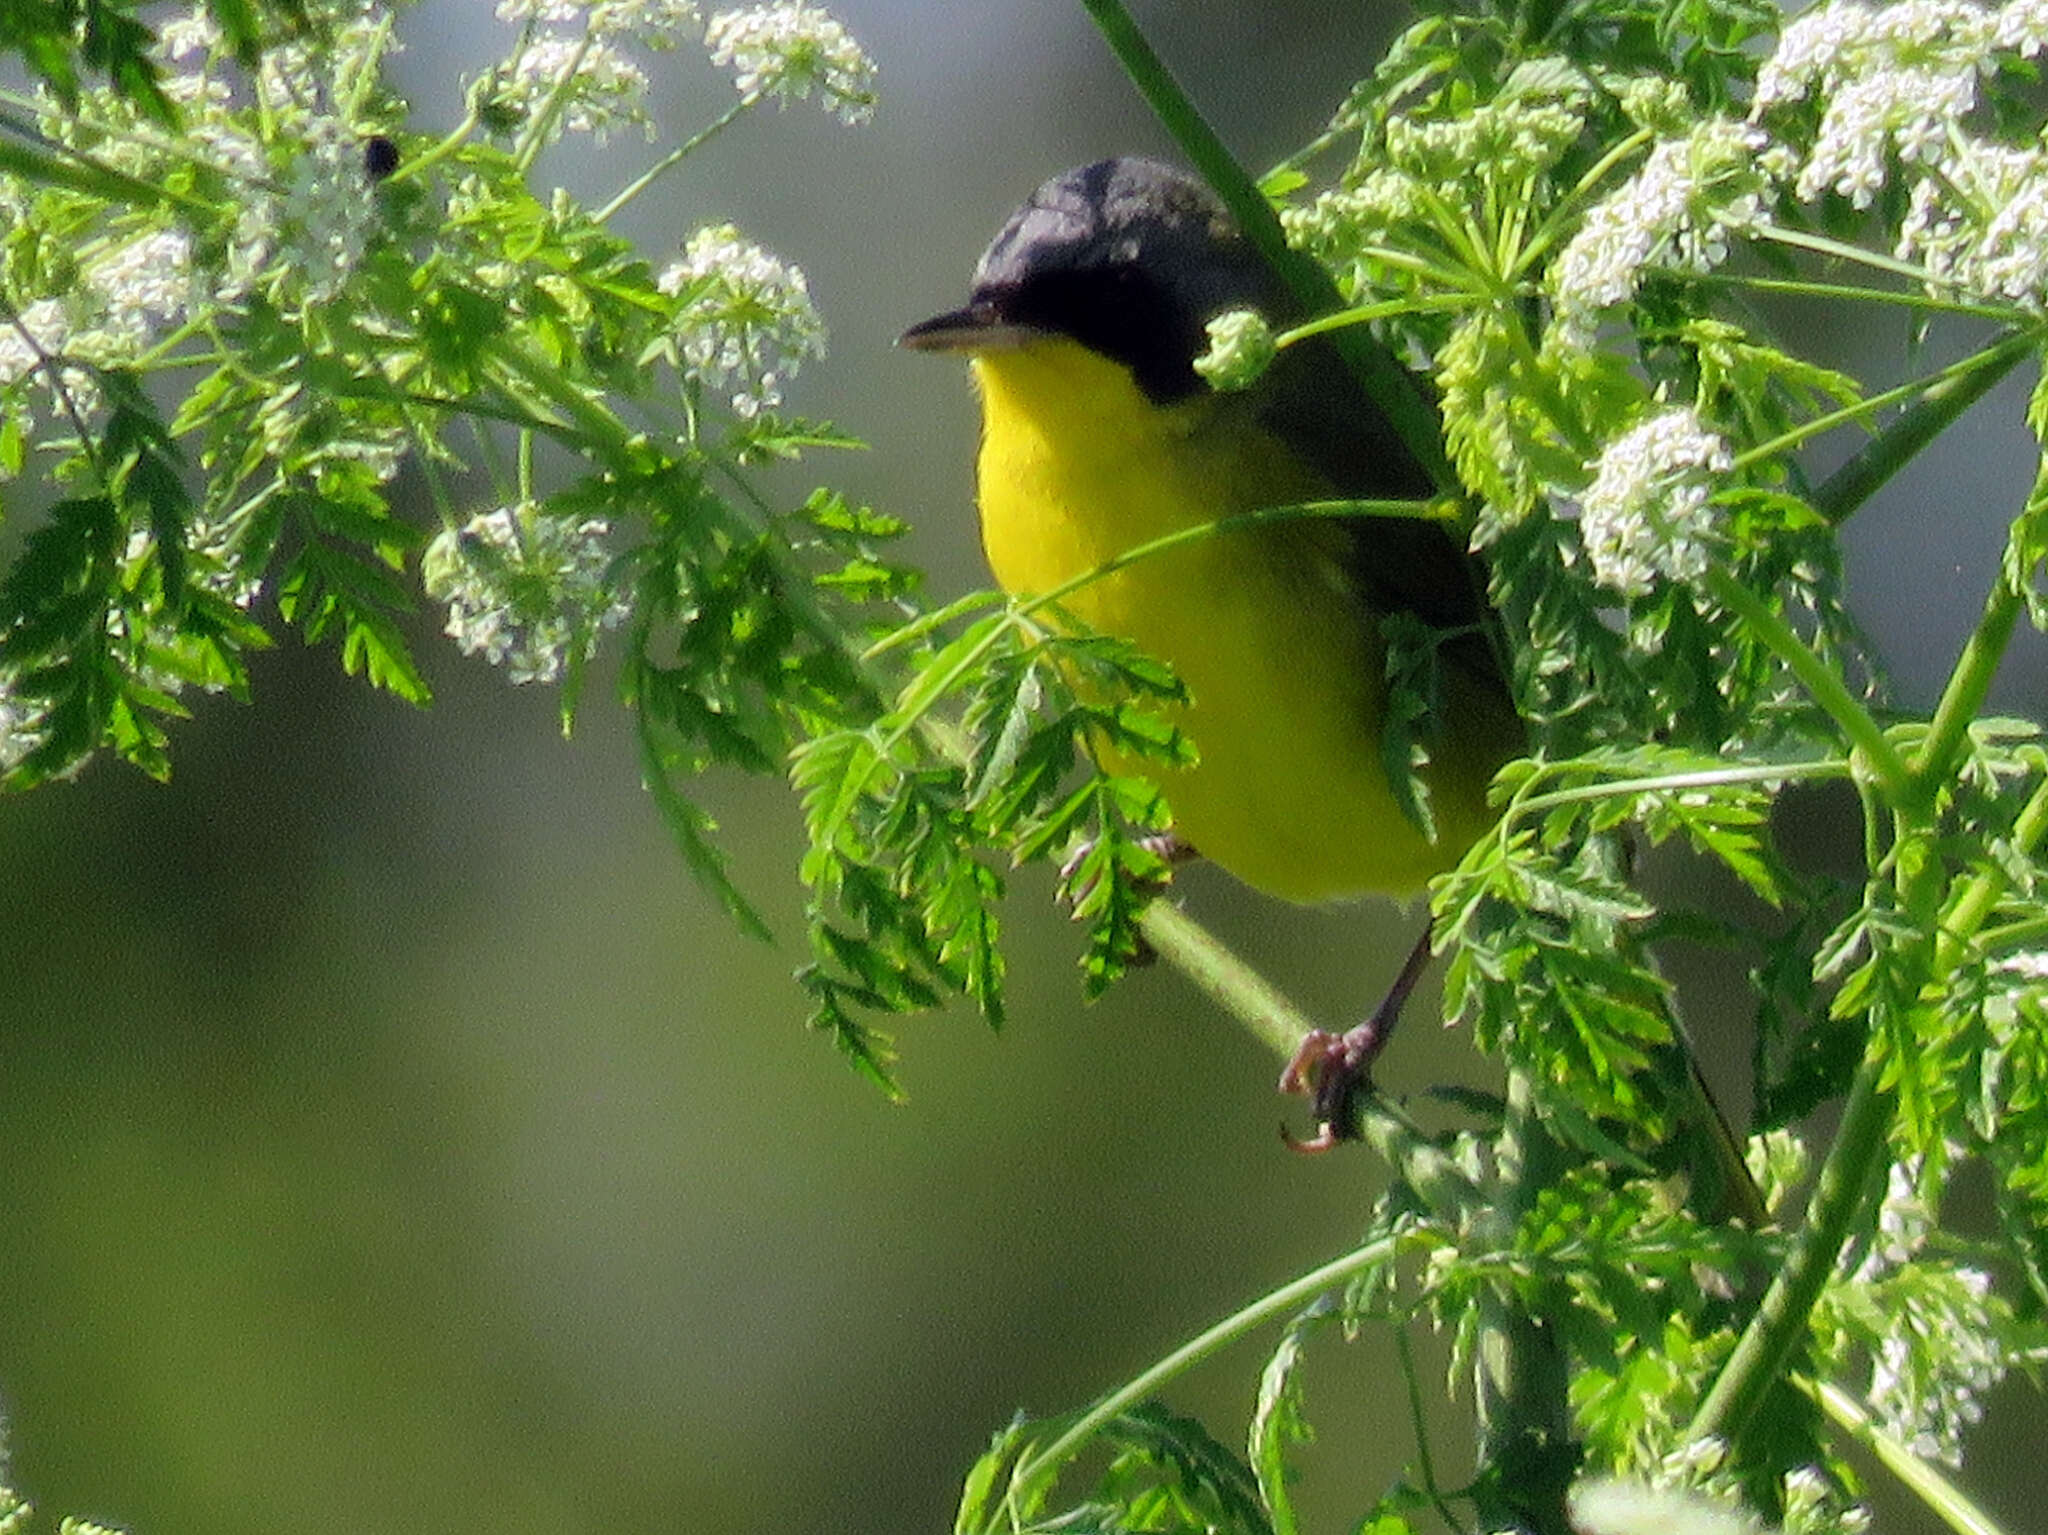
column 1329, row 1068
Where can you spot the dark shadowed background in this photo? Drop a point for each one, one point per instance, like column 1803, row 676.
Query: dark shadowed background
column 392, row 1137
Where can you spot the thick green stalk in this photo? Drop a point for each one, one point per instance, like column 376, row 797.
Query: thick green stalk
column 1525, row 1439
column 1968, row 685
column 1894, row 447
column 1389, row 385
column 1758, row 1362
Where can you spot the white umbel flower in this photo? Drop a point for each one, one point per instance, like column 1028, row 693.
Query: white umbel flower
column 605, row 88
column 1680, row 210
column 145, row 281
column 1981, row 227
column 525, row 590
column 747, row 320
column 788, row 50
column 1892, row 79
column 1645, row 515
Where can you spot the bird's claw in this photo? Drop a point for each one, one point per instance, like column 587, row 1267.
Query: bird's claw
column 1330, row 1069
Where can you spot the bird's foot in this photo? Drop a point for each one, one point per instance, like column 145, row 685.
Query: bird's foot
column 1330, row 1070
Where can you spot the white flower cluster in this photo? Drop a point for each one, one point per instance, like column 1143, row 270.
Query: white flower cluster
column 1895, row 84
column 746, row 322
column 1645, row 515
column 650, row 23
column 1892, row 78
column 525, row 589
column 576, row 60
column 144, row 281
column 1679, row 210
column 21, row 728
column 40, row 331
column 1615, row 1507
column 293, row 170
column 1939, row 1354
column 128, row 289
column 1938, row 1359
column 594, row 86
column 1981, row 227
column 1241, row 349
column 788, row 50
column 327, row 215
column 1813, row 1506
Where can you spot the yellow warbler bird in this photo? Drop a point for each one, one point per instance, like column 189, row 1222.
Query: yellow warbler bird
column 1083, row 324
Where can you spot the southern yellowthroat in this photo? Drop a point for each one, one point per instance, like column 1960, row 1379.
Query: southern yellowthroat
column 1086, row 316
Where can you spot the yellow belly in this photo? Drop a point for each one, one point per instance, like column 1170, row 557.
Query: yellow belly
column 1283, row 664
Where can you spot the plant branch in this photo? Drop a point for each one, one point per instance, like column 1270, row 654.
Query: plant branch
column 1757, row 1364
column 1525, row 1452
column 1948, row 1502
column 1826, row 689
column 676, row 156
column 1045, row 1464
column 1760, row 1354
column 1952, row 392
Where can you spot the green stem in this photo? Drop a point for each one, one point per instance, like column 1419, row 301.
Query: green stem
column 676, row 157
column 1224, row 978
column 1800, row 287
column 1948, row 1502
column 1565, row 214
column 534, row 136
column 1972, row 906
column 1967, row 687
column 1677, row 783
column 45, row 162
column 1819, row 679
column 1044, row 1465
column 1758, row 1361
column 455, row 138
column 1389, row 385
column 1525, row 1455
column 1418, row 1424
column 1821, row 245
column 1366, row 314
column 1952, row 392
column 1780, row 1322
column 1892, row 452
column 2010, row 935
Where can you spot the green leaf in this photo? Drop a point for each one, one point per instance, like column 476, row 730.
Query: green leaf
column 329, row 591
column 1280, row 1422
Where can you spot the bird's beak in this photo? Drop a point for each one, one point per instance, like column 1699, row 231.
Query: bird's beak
column 977, row 328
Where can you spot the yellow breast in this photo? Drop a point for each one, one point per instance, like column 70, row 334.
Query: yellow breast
column 1283, row 664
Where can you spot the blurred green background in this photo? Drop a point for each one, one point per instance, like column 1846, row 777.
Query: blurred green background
column 393, row 1138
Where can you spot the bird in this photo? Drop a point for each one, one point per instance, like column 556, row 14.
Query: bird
column 1082, row 326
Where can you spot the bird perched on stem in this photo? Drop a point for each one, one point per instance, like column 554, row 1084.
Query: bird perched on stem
column 1083, row 325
